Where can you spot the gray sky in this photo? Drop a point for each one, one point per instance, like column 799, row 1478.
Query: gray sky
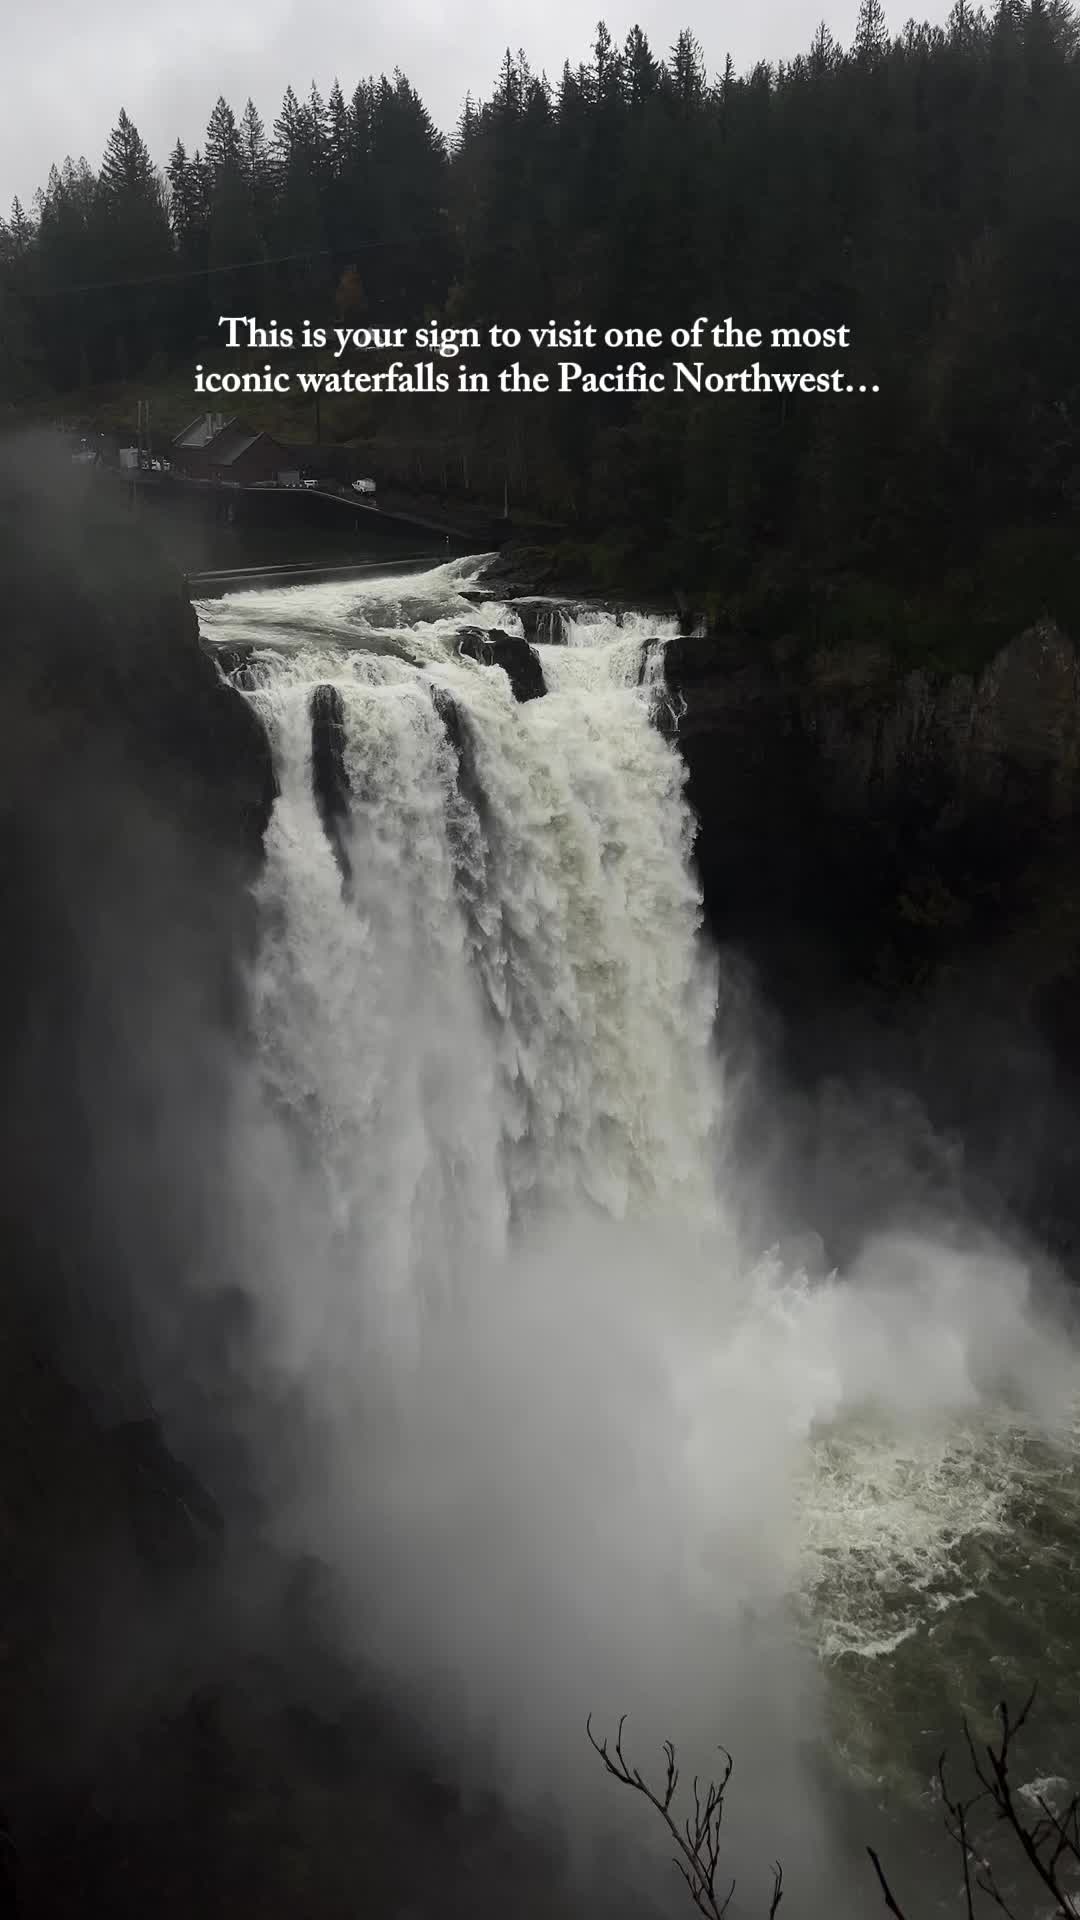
column 70, row 65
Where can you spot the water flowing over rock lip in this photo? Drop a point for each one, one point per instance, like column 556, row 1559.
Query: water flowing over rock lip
column 519, row 661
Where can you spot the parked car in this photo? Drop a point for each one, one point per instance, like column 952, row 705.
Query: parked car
column 363, row 486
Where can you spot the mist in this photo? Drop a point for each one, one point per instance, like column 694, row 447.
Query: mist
column 560, row 1466
column 583, row 1491
column 461, row 1269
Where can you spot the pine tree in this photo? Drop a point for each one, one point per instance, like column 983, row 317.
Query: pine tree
column 189, row 215
column 21, row 230
column 641, row 73
column 300, row 211
column 234, row 243
column 508, row 96
column 360, row 122
column 69, row 256
column 131, row 224
column 221, row 151
column 686, row 70
column 127, row 169
column 257, row 171
column 287, row 134
column 317, row 124
column 607, row 69
column 343, row 184
column 254, row 153
column 824, row 51
column 338, row 131
column 467, row 128
column 961, row 23
column 408, row 198
column 871, row 35
column 20, row 356
column 179, row 175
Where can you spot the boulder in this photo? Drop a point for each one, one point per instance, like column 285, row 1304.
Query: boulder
column 510, row 651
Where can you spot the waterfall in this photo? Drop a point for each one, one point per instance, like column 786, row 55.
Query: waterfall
column 564, row 1439
column 502, row 1008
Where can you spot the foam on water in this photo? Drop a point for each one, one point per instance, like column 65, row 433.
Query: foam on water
column 417, row 615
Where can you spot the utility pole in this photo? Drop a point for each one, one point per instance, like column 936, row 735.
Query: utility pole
column 133, row 483
column 142, row 433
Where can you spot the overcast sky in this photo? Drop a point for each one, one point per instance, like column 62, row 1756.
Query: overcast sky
column 70, row 65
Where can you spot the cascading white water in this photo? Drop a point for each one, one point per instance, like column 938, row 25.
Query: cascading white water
column 538, row 1033
column 494, row 1042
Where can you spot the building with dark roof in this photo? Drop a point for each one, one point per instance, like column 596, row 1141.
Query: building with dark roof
column 214, row 448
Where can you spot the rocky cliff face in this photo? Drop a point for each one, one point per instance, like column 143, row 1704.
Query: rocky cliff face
column 134, row 787
column 902, row 817
column 900, row 857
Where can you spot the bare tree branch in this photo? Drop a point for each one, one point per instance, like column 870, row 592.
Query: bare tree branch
column 698, row 1838
column 1049, row 1845
column 890, row 1898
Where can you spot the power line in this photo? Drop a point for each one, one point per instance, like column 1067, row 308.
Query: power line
column 233, row 266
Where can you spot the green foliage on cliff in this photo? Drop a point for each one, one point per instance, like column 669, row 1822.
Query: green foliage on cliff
column 953, row 623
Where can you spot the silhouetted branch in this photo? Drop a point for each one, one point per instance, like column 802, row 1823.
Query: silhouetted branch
column 698, row 1839
column 1049, row 1845
column 957, row 1812
column 890, row 1898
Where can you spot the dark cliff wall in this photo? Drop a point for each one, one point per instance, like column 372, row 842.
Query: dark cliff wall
column 133, row 791
column 905, row 818
column 899, row 854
